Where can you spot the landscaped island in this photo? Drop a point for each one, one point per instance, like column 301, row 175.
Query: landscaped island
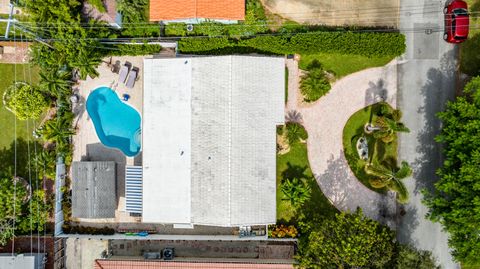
column 370, row 146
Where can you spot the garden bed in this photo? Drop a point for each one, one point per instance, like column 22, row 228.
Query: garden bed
column 377, row 151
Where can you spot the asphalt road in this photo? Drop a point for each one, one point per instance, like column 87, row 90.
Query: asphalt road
column 426, row 80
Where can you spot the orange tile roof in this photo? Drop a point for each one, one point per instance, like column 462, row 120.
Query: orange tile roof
column 112, row 264
column 164, row 10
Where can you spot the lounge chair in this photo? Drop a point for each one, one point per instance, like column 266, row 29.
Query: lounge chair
column 124, row 72
column 132, row 76
column 116, row 67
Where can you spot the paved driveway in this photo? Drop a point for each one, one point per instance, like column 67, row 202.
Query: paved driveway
column 338, row 12
column 426, row 78
column 324, row 121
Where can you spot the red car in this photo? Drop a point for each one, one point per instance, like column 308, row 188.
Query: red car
column 456, row 21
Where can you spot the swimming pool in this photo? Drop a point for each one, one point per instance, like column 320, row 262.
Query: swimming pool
column 116, row 123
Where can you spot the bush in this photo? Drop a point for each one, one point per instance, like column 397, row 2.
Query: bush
column 68, row 229
column 367, row 44
column 25, row 101
column 409, row 257
column 295, row 132
column 282, row 231
column 314, row 85
column 135, row 49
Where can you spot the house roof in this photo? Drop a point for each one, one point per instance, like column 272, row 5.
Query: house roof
column 164, row 10
column 215, row 163
column 112, row 264
column 22, row 261
column 93, row 190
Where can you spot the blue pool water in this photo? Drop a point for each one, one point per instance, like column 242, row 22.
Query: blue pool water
column 116, row 123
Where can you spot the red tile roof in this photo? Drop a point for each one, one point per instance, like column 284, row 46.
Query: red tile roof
column 191, row 9
column 112, row 264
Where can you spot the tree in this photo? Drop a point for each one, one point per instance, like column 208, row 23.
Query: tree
column 11, row 196
column 37, row 212
column 409, row 257
column 45, row 162
column 56, row 82
column 390, row 178
column 58, row 129
column 348, row 240
column 388, row 126
column 296, row 191
column 25, row 101
column 455, row 202
column 86, row 64
column 295, row 132
column 314, row 85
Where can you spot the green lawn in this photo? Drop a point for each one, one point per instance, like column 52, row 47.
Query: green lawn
column 343, row 65
column 377, row 151
column 469, row 50
column 7, row 119
column 295, row 164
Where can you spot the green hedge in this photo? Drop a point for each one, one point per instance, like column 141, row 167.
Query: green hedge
column 367, row 44
column 135, row 49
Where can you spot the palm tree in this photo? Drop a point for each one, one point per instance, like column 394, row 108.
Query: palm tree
column 44, row 163
column 295, row 191
column 58, row 130
column 390, row 178
column 388, row 126
column 295, row 133
column 86, row 64
column 314, row 85
column 56, row 82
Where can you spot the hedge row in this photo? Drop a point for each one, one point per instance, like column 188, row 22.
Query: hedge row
column 67, row 229
column 367, row 44
column 134, row 49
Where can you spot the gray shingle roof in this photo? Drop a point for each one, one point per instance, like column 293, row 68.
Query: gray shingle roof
column 93, row 190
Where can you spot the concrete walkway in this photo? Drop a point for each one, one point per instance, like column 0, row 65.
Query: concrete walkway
column 324, row 121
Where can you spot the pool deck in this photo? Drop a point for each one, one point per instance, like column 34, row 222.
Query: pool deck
column 87, row 145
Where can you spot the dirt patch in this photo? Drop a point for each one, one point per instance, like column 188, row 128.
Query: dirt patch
column 337, row 12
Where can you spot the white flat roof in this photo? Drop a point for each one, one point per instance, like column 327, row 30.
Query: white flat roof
column 221, row 112
column 166, row 141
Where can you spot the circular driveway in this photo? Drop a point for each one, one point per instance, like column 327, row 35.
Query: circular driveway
column 324, row 121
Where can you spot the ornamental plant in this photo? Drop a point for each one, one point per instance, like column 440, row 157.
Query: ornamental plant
column 25, row 101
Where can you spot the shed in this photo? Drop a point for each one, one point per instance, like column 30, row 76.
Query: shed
column 93, row 190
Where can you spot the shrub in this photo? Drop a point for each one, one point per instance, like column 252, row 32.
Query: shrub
column 314, row 85
column 295, row 132
column 409, row 257
column 282, row 231
column 98, row 4
column 176, row 29
column 135, row 49
column 296, row 191
column 25, row 101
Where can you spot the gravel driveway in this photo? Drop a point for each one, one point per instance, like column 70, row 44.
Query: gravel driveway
column 324, row 121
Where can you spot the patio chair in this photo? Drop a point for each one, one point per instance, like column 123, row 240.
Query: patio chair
column 124, row 72
column 132, row 76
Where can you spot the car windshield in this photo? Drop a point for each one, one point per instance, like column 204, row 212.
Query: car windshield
column 460, row 12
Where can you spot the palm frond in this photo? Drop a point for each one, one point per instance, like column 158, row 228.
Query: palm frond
column 404, row 171
column 402, row 192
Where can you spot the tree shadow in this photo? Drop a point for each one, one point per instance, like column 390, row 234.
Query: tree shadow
column 98, row 152
column 7, row 158
column 376, row 92
column 408, row 220
column 347, row 193
column 430, row 156
column 294, row 171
